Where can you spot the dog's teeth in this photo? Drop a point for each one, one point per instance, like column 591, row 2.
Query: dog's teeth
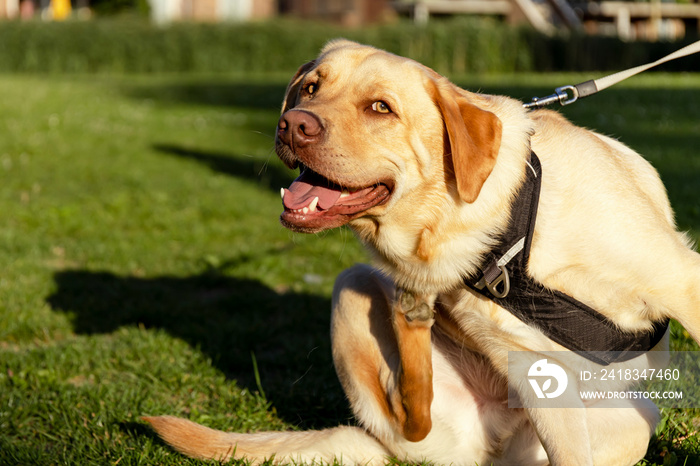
column 345, row 193
column 282, row 192
column 314, row 203
column 305, row 210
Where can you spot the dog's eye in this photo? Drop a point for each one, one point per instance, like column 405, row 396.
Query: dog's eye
column 381, row 107
column 311, row 88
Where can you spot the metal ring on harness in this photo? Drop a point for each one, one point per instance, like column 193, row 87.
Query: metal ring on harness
column 504, row 278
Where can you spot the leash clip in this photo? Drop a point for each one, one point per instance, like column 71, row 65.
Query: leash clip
column 565, row 95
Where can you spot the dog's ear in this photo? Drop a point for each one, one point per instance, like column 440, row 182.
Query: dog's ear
column 290, row 97
column 474, row 137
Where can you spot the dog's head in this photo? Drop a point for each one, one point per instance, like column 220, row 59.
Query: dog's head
column 368, row 130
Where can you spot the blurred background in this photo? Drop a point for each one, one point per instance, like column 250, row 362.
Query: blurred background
column 269, row 35
column 627, row 19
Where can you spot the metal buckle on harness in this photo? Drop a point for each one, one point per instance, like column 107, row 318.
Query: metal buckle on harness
column 493, row 284
column 504, row 278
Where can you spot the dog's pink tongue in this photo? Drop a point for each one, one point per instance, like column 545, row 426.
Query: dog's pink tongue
column 306, row 187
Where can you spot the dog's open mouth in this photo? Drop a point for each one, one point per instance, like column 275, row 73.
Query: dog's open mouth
column 313, row 202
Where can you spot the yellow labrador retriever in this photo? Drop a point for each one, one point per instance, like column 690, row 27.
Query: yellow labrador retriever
column 426, row 174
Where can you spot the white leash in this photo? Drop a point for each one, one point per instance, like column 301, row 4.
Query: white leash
column 566, row 95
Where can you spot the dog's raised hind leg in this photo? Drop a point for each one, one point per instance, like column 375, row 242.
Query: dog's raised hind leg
column 412, row 318
column 382, row 352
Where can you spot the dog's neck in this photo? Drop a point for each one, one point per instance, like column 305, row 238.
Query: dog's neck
column 433, row 258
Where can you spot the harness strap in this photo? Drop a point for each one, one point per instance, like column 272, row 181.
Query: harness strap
column 565, row 320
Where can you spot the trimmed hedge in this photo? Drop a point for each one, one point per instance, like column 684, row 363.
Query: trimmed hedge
column 462, row 45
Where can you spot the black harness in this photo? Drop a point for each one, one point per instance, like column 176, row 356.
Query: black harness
column 563, row 319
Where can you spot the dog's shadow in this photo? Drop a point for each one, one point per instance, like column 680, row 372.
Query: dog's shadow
column 227, row 319
column 231, row 320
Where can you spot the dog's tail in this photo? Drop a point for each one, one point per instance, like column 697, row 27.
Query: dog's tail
column 344, row 444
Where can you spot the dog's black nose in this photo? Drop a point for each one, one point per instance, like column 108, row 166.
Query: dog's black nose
column 299, row 128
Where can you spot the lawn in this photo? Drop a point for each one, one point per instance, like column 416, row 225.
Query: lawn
column 144, row 270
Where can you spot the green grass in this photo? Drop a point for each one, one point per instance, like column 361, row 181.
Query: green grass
column 144, row 268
